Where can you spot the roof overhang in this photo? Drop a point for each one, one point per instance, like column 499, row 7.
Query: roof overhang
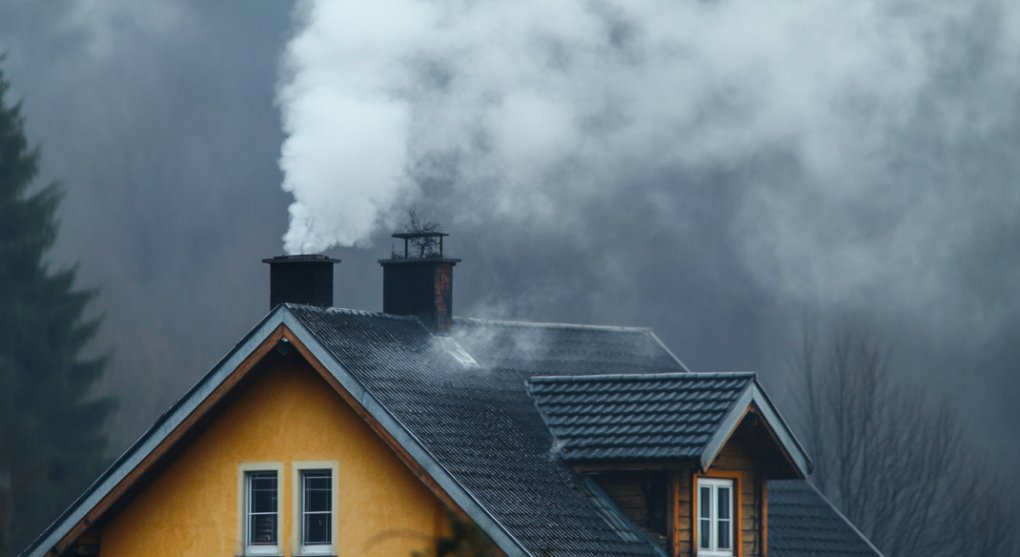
column 754, row 399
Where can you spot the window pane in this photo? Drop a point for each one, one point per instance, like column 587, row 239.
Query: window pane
column 261, row 508
column 724, row 530
column 263, row 501
column 705, row 534
column 317, row 482
column 263, row 529
column 318, row 491
column 263, row 492
column 317, row 504
column 317, row 529
column 724, row 502
column 706, row 501
column 318, row 501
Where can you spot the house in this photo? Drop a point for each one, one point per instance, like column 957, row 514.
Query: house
column 329, row 431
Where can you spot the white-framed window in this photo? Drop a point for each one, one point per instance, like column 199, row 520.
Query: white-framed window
column 315, row 507
column 261, row 506
column 715, row 517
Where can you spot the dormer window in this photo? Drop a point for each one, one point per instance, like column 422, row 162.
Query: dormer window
column 715, row 517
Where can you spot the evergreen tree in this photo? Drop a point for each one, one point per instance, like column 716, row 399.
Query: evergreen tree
column 52, row 424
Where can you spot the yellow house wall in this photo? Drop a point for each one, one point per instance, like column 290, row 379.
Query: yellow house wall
column 286, row 415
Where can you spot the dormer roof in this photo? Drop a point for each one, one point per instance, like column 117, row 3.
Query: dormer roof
column 660, row 416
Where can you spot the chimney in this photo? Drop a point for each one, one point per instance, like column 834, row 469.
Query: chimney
column 301, row 279
column 419, row 282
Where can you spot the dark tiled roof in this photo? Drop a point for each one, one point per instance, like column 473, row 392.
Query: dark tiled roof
column 636, row 416
column 803, row 524
column 463, row 398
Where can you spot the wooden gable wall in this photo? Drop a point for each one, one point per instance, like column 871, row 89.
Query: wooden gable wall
column 669, row 517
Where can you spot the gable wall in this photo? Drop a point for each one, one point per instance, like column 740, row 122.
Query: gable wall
column 287, row 414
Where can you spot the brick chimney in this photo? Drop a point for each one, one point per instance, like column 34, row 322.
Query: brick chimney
column 419, row 281
column 301, row 279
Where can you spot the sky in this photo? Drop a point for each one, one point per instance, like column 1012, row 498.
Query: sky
column 722, row 172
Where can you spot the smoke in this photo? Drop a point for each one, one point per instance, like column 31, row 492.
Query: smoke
column 698, row 166
column 842, row 124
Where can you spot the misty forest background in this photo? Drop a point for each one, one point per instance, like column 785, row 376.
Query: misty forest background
column 860, row 253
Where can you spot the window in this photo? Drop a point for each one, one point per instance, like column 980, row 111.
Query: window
column 261, row 512
column 316, row 510
column 715, row 517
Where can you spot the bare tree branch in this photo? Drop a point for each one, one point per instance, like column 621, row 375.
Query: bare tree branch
column 895, row 463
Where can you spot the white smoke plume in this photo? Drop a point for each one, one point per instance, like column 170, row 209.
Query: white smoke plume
column 520, row 110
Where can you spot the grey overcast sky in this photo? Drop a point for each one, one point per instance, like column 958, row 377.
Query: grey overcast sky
column 719, row 171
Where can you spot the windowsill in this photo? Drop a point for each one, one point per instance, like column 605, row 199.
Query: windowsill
column 316, row 551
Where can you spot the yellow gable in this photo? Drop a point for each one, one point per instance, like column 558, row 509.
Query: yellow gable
column 282, row 418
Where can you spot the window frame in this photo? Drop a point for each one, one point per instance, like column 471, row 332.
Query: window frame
column 299, row 470
column 715, row 483
column 245, row 473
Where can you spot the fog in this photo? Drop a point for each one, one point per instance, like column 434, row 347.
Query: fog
column 719, row 171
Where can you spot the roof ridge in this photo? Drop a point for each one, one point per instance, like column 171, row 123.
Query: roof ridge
column 475, row 320
column 350, row 311
column 660, row 376
column 550, row 325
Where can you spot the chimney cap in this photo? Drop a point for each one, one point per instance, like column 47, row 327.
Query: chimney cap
column 301, row 279
column 301, row 258
column 410, row 235
column 427, row 243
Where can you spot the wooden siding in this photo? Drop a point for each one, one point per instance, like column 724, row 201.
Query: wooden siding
column 736, row 461
column 683, row 513
column 643, row 497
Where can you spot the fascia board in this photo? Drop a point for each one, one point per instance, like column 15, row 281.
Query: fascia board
column 783, row 431
column 408, row 441
column 726, row 427
column 753, row 394
column 152, row 438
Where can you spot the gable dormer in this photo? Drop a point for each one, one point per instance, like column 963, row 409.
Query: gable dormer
column 685, row 457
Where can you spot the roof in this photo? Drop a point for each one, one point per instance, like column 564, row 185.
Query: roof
column 452, row 408
column 655, row 416
column 459, row 406
column 802, row 523
column 647, row 416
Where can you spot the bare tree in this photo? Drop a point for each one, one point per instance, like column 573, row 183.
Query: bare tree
column 425, row 246
column 898, row 465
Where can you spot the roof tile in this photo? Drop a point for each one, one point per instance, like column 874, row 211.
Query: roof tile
column 665, row 415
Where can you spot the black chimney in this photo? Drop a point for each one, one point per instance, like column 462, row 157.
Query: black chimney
column 420, row 281
column 301, row 279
